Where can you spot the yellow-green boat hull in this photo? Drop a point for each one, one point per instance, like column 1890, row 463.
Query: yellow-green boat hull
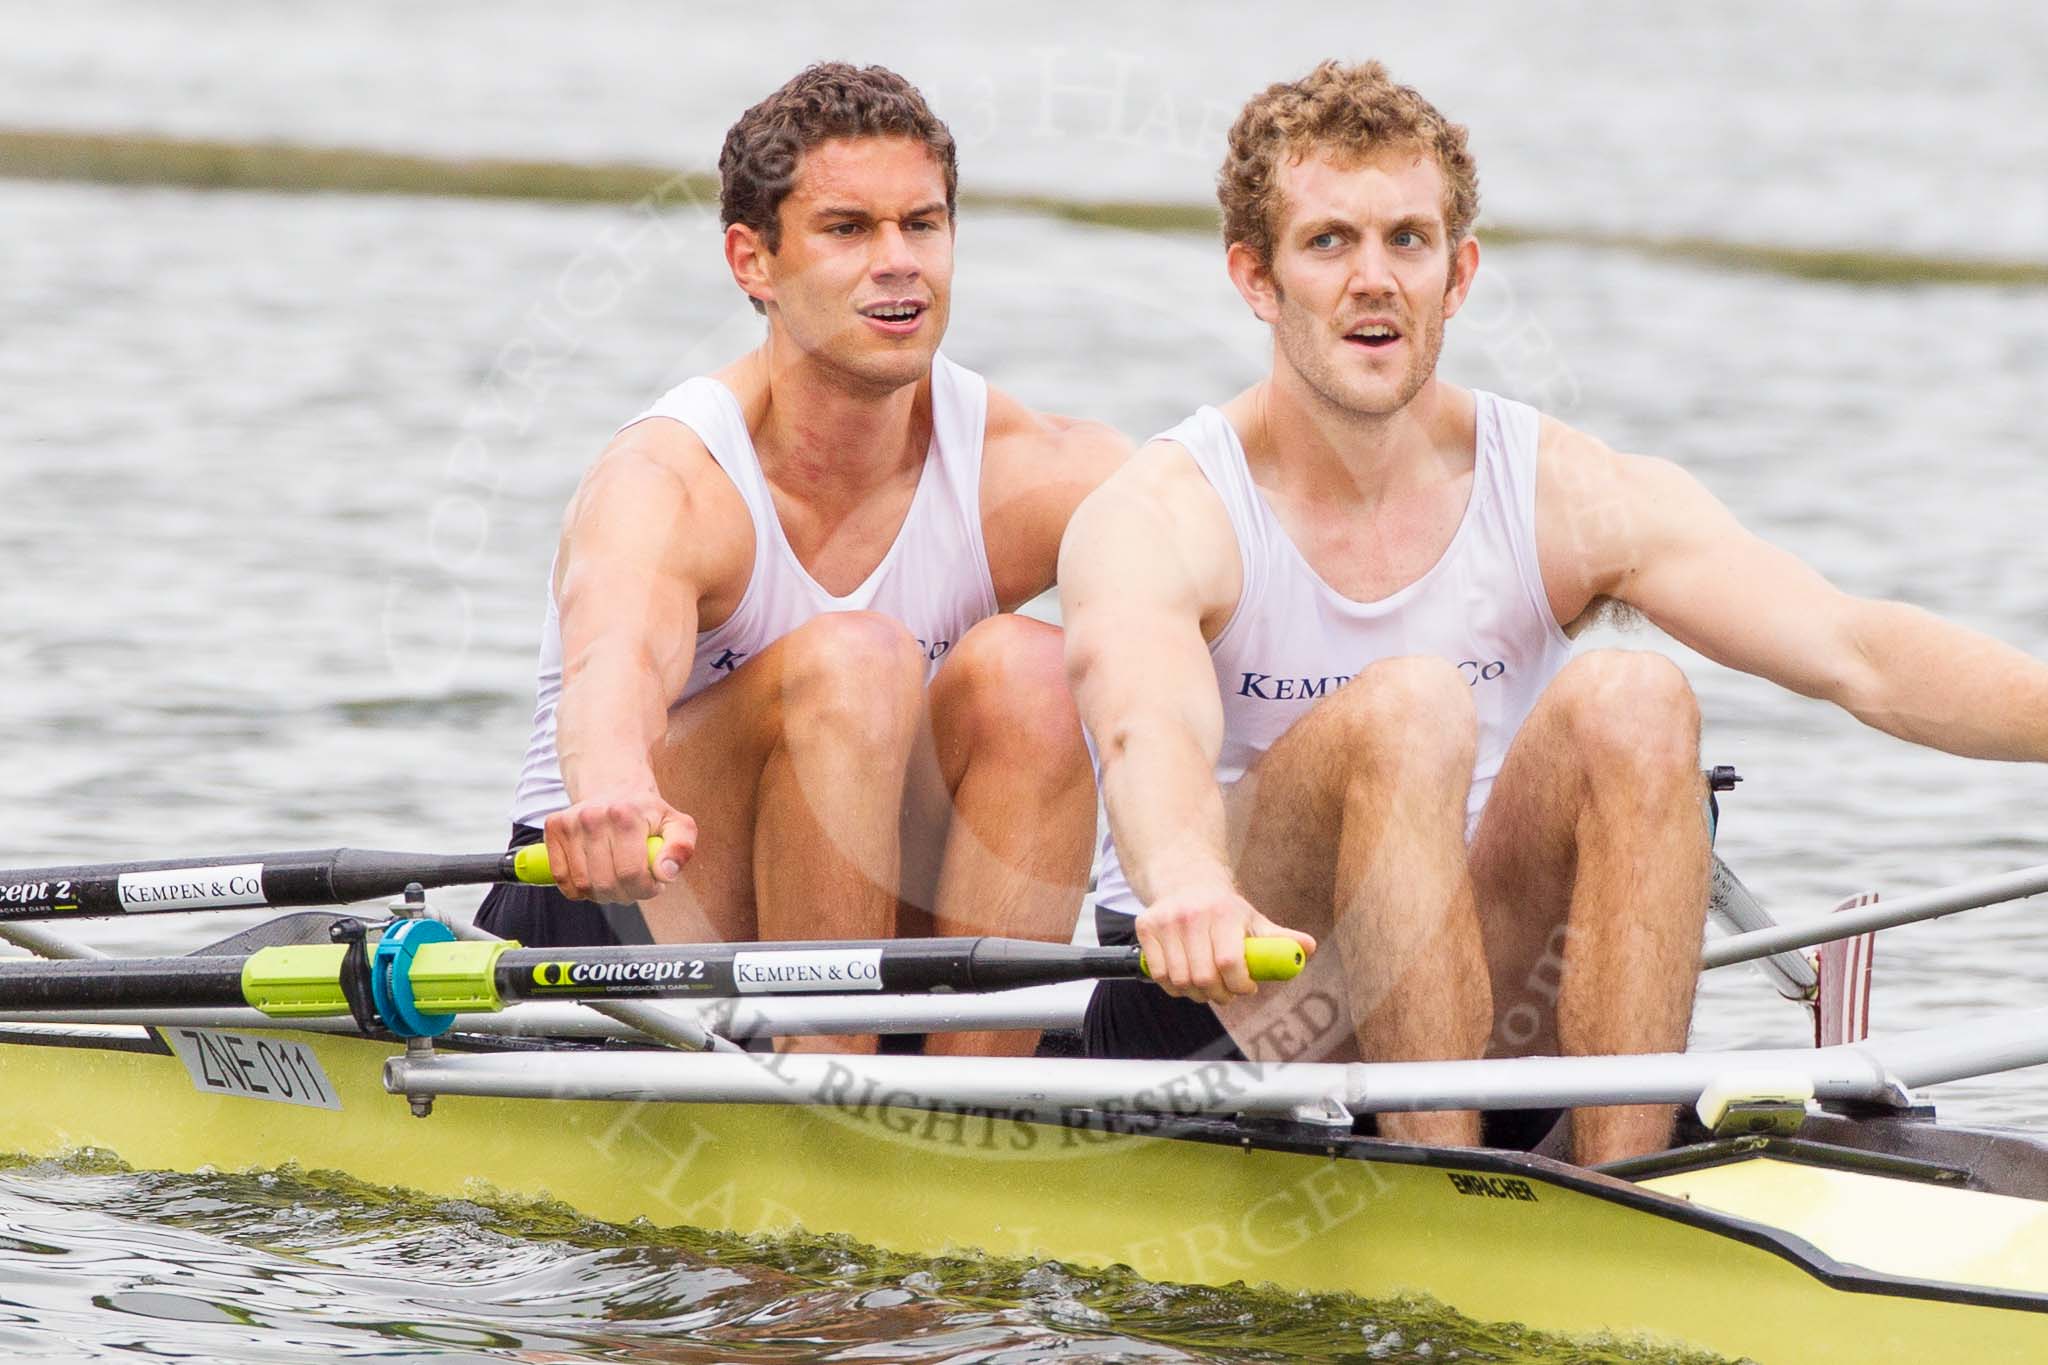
column 1498, row 1237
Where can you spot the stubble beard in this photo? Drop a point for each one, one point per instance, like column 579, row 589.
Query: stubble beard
column 1304, row 341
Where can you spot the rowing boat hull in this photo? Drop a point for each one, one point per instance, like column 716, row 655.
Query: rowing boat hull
column 1499, row 1237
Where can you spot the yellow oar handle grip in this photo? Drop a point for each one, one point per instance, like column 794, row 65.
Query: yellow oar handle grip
column 1267, row 959
column 1273, row 959
column 530, row 864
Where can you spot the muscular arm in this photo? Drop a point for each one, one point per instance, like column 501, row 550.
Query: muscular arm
column 1036, row 469
column 628, row 579
column 1147, row 559
column 1644, row 531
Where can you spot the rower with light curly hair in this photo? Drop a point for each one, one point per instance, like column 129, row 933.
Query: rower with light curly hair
column 1322, row 637
column 1348, row 113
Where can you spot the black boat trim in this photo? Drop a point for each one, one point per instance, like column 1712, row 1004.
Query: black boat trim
column 147, row 1041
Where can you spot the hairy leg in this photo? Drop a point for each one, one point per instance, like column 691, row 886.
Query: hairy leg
column 1001, row 811
column 793, row 768
column 1591, row 866
column 1352, row 828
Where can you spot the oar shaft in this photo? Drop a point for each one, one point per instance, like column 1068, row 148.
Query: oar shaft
column 457, row 977
column 129, row 983
column 301, row 877
column 726, row 970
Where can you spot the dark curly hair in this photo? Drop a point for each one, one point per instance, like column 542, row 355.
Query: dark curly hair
column 757, row 166
column 1353, row 111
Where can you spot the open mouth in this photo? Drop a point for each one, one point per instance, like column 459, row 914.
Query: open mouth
column 1373, row 336
column 895, row 315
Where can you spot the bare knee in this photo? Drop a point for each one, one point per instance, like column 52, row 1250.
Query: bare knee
column 1631, row 717
column 1411, row 715
column 1003, row 692
column 853, row 678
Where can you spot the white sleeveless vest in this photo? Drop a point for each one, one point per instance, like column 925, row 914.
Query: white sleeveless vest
column 934, row 577
column 1293, row 639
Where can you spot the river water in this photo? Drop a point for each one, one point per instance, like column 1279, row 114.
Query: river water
column 282, row 475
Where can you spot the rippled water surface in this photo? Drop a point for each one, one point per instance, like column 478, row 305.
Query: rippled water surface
column 1915, row 123
column 282, row 475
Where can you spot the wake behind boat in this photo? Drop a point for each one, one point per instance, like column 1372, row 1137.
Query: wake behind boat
column 1813, row 1208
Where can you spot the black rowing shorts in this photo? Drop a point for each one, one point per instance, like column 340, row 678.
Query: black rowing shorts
column 1135, row 1019
column 542, row 917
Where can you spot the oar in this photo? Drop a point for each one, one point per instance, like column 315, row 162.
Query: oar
column 324, row 876
column 422, row 979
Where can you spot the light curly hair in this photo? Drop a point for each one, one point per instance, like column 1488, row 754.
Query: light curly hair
column 1350, row 111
